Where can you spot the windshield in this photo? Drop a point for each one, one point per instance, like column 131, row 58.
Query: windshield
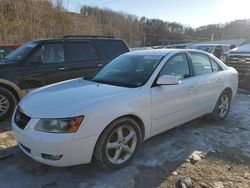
column 21, row 52
column 128, row 70
column 204, row 48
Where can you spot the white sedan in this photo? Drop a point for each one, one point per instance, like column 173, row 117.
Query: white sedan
column 106, row 116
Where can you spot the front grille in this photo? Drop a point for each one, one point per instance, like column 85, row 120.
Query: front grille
column 21, row 119
column 239, row 59
column 233, row 60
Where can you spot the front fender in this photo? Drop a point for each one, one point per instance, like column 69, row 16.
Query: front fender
column 14, row 87
column 99, row 116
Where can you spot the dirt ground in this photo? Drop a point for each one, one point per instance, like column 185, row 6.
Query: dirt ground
column 224, row 160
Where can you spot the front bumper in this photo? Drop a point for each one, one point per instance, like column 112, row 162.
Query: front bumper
column 244, row 78
column 37, row 145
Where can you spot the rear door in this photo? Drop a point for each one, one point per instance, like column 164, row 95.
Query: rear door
column 208, row 80
column 82, row 58
column 44, row 66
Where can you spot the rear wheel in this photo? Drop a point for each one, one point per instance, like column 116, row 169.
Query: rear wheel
column 7, row 103
column 222, row 107
column 118, row 144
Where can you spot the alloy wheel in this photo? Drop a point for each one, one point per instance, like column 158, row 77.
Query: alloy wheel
column 121, row 144
column 4, row 105
column 223, row 106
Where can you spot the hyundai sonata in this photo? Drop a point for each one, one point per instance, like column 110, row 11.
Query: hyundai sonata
column 106, row 116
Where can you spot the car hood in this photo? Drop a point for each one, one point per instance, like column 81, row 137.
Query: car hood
column 245, row 49
column 6, row 62
column 62, row 99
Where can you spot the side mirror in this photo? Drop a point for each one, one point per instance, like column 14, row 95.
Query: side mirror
column 167, row 80
column 36, row 60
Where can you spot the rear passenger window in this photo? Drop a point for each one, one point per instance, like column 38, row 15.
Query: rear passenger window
column 177, row 66
column 81, row 51
column 53, row 53
column 215, row 66
column 201, row 63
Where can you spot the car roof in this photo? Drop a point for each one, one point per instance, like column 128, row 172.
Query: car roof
column 164, row 52
column 211, row 45
column 77, row 38
column 161, row 52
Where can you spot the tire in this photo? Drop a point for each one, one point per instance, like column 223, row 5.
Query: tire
column 118, row 144
column 7, row 103
column 222, row 107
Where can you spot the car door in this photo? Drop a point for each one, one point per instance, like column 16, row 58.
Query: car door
column 82, row 58
column 208, row 81
column 46, row 65
column 173, row 105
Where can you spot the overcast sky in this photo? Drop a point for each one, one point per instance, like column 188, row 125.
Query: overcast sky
column 194, row 13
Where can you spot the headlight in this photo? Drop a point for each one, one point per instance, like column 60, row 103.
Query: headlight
column 68, row 125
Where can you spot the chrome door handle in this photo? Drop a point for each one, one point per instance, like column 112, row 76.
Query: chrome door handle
column 61, row 68
column 99, row 65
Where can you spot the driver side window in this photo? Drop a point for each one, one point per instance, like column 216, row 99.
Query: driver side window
column 177, row 66
column 49, row 53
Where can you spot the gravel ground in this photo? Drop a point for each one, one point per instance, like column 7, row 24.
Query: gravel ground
column 210, row 154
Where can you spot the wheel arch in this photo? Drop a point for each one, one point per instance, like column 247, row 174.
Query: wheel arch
column 132, row 116
column 229, row 90
column 13, row 88
column 139, row 121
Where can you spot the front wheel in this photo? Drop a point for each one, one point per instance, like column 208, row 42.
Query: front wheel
column 118, row 144
column 222, row 107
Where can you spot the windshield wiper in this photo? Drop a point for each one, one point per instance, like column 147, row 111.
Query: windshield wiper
column 113, row 83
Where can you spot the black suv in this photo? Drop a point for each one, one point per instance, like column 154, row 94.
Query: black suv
column 239, row 58
column 42, row 62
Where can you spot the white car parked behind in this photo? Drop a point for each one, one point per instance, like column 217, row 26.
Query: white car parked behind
column 136, row 96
